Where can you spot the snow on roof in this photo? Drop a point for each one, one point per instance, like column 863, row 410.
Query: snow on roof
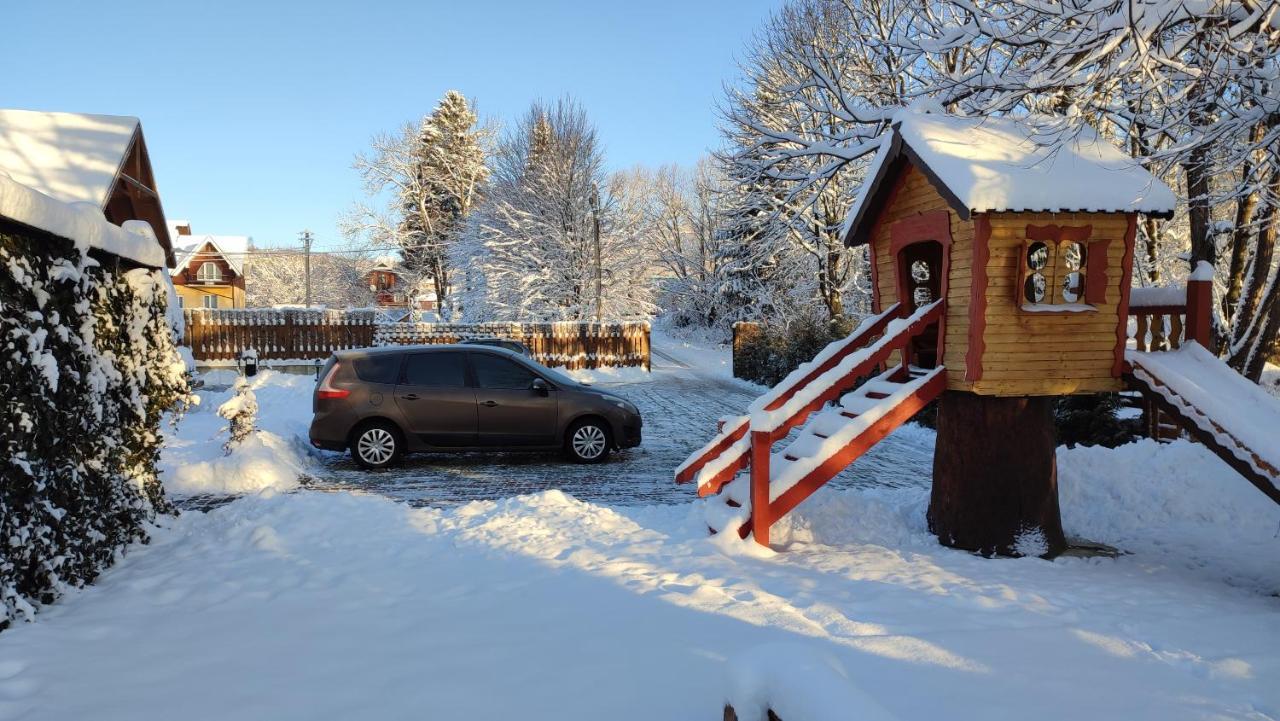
column 989, row 164
column 233, row 248
column 387, row 262
column 81, row 222
column 73, row 157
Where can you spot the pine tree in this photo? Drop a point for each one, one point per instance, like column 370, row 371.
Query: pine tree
column 437, row 172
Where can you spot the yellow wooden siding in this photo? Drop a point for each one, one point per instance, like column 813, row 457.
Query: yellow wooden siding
column 1028, row 353
column 917, row 195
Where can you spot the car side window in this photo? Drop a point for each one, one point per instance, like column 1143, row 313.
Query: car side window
column 381, row 368
column 438, row 370
column 497, row 373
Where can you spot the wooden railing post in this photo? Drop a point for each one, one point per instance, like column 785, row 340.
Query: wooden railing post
column 761, row 519
column 1199, row 325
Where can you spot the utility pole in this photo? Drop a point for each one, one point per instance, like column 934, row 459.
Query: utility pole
column 306, row 261
column 595, row 222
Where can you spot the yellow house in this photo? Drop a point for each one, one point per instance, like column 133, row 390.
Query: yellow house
column 210, row 270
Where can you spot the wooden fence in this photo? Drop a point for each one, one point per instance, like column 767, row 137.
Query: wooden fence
column 220, row 335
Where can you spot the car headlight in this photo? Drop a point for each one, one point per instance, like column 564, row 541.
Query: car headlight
column 627, row 407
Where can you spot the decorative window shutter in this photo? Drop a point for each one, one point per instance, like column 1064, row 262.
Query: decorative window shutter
column 1095, row 278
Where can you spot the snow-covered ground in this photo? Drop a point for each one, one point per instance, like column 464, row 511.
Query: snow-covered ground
column 338, row 605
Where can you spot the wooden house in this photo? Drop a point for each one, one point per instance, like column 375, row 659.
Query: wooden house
column 1026, row 231
column 211, row 269
column 94, row 161
column 1001, row 256
column 392, row 290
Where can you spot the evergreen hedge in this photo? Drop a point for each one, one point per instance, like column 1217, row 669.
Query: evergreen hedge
column 88, row 367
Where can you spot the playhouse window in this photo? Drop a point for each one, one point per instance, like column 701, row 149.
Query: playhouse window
column 921, row 294
column 1054, row 273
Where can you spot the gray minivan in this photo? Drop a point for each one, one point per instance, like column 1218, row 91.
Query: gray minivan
column 384, row 402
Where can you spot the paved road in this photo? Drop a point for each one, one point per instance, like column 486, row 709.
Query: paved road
column 680, row 405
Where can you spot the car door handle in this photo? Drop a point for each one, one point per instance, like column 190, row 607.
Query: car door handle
column 409, row 397
column 489, row 404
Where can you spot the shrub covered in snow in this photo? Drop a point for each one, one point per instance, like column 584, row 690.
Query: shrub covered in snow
column 767, row 357
column 242, row 412
column 88, row 365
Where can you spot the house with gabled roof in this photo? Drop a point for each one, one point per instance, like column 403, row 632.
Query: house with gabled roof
column 210, row 270
column 97, row 165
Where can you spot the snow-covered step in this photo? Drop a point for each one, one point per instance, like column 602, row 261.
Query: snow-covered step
column 808, row 451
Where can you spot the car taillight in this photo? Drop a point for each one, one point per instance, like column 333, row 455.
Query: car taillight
column 326, row 389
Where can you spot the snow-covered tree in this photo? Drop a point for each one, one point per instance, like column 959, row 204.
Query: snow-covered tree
column 278, row 277
column 556, row 238
column 1189, row 87
column 431, row 174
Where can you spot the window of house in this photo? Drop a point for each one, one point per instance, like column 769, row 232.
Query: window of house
column 1054, row 273
column 211, row 301
column 209, row 271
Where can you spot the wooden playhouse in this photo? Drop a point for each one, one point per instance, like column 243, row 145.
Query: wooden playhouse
column 1002, row 256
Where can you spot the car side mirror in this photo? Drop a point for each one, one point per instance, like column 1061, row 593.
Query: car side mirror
column 540, row 386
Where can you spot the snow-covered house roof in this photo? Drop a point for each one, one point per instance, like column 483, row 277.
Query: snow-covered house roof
column 73, row 157
column 82, row 223
column 80, row 158
column 989, row 164
column 387, row 264
column 233, row 248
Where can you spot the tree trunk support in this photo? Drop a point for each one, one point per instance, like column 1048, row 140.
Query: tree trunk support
column 995, row 478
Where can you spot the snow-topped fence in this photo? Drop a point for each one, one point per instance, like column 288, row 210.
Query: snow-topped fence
column 219, row 335
column 1162, row 318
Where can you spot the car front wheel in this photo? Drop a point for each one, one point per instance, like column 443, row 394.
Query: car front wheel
column 376, row 446
column 588, row 441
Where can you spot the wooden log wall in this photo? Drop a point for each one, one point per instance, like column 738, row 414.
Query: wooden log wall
column 297, row 334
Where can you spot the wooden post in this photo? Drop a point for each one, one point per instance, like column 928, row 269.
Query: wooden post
column 1199, row 325
column 995, row 475
column 744, row 332
column 761, row 519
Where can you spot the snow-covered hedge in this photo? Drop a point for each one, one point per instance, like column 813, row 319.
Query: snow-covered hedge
column 88, row 365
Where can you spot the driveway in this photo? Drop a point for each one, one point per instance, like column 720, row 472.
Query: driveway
column 680, row 403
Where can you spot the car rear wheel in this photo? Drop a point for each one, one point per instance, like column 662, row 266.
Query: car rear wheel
column 588, row 441
column 377, row 445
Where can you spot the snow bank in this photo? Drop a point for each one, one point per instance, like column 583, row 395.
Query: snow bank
column 609, row 375
column 1175, row 500
column 797, row 682
column 272, row 459
column 336, row 606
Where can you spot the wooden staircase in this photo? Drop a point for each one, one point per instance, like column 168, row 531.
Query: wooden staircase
column 1187, row 384
column 832, row 437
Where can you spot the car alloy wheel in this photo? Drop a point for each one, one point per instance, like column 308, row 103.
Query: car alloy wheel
column 589, row 442
column 377, row 446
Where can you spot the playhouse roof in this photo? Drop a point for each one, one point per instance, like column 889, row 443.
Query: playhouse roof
column 988, row 164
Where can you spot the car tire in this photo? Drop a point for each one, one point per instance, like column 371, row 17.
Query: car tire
column 588, row 441
column 378, row 445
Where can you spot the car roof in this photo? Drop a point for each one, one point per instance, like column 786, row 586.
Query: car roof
column 421, row 348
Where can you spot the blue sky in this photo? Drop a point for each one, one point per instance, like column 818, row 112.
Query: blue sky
column 253, row 110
